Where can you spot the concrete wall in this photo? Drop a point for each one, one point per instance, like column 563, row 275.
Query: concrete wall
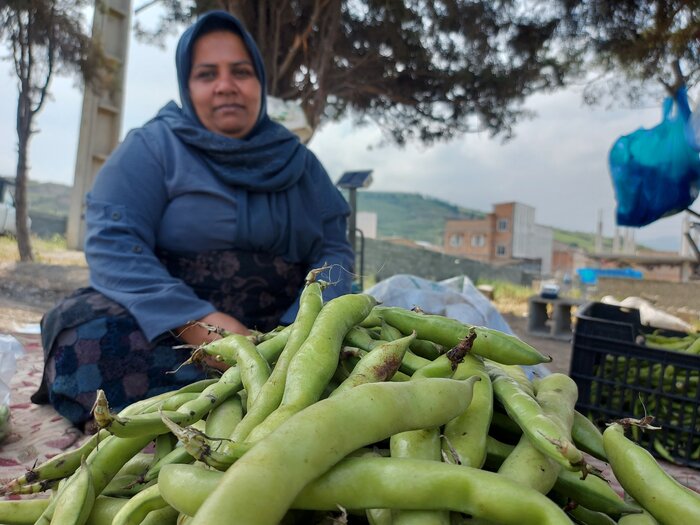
column 384, row 259
column 678, row 297
column 45, row 225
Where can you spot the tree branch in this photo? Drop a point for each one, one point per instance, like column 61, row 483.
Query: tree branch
column 300, row 40
column 50, row 51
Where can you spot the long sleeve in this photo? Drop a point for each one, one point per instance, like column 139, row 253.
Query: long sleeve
column 124, row 210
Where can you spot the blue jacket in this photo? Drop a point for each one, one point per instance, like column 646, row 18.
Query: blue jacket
column 174, row 185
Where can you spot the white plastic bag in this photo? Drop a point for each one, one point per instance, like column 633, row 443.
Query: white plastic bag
column 457, row 298
column 10, row 350
column 649, row 315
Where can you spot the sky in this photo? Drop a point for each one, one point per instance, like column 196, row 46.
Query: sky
column 557, row 161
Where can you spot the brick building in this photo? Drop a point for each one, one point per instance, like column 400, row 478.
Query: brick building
column 566, row 259
column 507, row 235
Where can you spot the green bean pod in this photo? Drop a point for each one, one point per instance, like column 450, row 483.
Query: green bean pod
column 27, row 512
column 310, row 304
column 313, row 365
column 350, row 356
column 223, row 419
column 389, row 333
column 644, row 518
column 669, row 502
column 529, row 467
column 420, row 347
column 139, row 506
column 380, row 364
column 106, row 508
column 465, row 436
column 418, row 444
column 31, row 488
column 151, row 424
column 178, row 455
column 217, row 453
column 57, row 467
column 543, row 432
column 515, row 372
column 446, row 364
column 359, row 337
column 254, row 369
column 64, row 464
column 373, row 320
column 581, row 514
column 23, row 511
column 379, row 517
column 361, row 483
column 316, row 438
column 502, row 425
column 139, row 464
column 556, row 395
column 74, row 502
column 491, row 344
column 587, row 437
column 177, row 400
column 592, row 492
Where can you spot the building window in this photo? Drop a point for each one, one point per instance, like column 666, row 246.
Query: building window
column 502, row 225
column 478, row 241
column 501, row 250
column 455, row 240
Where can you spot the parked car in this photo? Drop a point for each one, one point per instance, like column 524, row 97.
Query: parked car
column 549, row 290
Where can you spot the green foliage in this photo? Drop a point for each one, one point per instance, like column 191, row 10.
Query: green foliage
column 638, row 45
column 42, row 247
column 585, row 241
column 48, row 198
column 507, row 291
column 421, row 70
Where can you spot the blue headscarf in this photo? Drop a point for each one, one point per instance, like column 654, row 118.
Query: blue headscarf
column 269, row 163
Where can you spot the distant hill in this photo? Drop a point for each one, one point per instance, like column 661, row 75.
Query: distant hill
column 411, row 215
column 408, row 215
column 49, row 198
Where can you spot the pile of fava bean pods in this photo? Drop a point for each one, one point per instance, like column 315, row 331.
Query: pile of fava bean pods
column 360, row 414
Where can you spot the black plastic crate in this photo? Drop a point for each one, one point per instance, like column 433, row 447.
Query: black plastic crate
column 617, row 377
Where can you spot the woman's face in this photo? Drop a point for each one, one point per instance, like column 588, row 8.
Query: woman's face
column 223, row 87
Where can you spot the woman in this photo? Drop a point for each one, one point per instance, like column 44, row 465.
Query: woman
column 210, row 212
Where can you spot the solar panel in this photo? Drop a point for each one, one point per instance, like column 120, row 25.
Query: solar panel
column 355, row 179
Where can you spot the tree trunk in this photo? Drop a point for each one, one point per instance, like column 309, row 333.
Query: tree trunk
column 24, row 130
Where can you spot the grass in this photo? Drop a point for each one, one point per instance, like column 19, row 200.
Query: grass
column 47, row 251
column 509, row 297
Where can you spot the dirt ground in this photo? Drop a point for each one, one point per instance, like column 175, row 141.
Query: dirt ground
column 27, row 290
column 558, row 349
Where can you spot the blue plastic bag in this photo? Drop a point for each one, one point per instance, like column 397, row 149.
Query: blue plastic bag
column 655, row 172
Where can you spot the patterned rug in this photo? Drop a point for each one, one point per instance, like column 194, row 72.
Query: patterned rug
column 39, row 433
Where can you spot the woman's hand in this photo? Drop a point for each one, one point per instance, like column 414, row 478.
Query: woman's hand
column 195, row 334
